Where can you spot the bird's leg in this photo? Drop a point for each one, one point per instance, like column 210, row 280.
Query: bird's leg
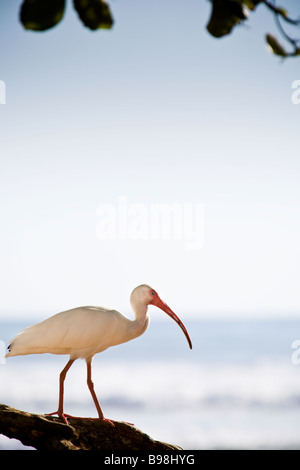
column 94, row 396
column 91, row 389
column 60, row 411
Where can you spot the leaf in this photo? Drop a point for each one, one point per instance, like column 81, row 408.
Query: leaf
column 251, row 4
column 39, row 15
column 275, row 46
column 94, row 14
column 224, row 16
column 282, row 12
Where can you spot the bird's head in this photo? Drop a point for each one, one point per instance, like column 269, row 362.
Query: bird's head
column 145, row 295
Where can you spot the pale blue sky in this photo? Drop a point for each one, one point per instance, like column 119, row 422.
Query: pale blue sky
column 158, row 111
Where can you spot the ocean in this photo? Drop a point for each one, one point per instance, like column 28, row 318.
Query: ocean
column 238, row 388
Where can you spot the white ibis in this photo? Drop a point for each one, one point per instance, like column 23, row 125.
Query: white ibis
column 85, row 331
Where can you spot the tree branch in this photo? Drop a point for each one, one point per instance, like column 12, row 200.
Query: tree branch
column 49, row 433
column 280, row 12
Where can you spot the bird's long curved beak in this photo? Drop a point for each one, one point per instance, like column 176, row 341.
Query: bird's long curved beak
column 163, row 306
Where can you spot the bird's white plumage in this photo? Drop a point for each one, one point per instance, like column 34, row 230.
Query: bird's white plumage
column 80, row 332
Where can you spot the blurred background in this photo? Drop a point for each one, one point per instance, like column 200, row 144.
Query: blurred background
column 159, row 112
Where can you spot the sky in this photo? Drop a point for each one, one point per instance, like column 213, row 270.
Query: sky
column 100, row 128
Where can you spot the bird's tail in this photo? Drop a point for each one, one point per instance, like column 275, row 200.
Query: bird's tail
column 14, row 348
column 10, row 353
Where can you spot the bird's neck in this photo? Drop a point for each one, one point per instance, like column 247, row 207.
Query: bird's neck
column 140, row 323
column 140, row 311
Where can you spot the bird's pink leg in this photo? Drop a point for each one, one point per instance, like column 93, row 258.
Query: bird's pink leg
column 94, row 396
column 60, row 411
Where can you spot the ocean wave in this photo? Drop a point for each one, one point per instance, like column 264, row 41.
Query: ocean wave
column 154, row 385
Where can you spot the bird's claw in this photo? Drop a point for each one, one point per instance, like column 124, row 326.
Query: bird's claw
column 64, row 417
column 61, row 415
column 108, row 421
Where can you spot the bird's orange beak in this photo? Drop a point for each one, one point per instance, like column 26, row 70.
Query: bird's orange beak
column 163, row 306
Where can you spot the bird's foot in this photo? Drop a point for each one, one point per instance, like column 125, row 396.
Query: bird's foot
column 106, row 420
column 64, row 417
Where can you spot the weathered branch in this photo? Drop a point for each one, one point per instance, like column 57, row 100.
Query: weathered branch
column 49, row 433
column 281, row 12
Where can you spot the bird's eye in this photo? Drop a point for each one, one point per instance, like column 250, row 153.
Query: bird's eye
column 152, row 293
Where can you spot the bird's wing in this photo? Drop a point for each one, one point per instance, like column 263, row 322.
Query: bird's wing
column 79, row 329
